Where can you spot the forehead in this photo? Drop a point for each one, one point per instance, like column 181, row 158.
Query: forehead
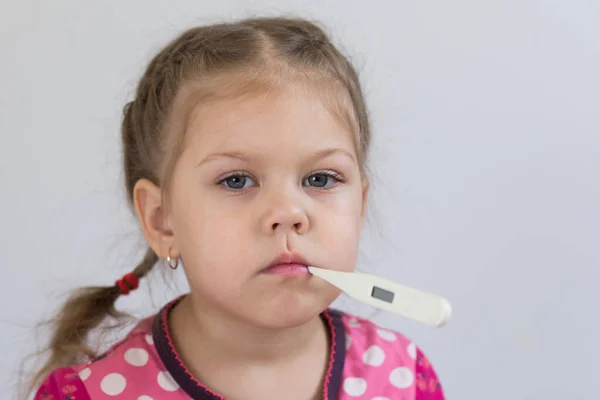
column 278, row 121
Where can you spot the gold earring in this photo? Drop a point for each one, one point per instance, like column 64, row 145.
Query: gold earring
column 170, row 260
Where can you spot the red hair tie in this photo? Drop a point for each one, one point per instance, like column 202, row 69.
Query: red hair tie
column 128, row 283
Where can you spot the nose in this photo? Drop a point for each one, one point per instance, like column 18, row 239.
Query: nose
column 285, row 213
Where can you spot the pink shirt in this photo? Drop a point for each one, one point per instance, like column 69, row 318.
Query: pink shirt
column 365, row 362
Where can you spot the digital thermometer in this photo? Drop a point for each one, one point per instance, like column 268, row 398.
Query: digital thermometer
column 378, row 292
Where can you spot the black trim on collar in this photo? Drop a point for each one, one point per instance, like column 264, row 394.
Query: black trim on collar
column 196, row 390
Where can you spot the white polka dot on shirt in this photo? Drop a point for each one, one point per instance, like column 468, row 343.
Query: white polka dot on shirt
column 85, row 373
column 149, row 339
column 355, row 387
column 412, row 350
column 386, row 335
column 166, row 382
column 145, row 398
column 380, row 398
column 402, row 377
column 374, row 356
column 113, row 384
column 136, row 357
column 354, row 323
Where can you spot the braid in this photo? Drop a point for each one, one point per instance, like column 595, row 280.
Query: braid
column 147, row 263
column 83, row 312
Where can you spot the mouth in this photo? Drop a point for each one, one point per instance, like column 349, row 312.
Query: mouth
column 288, row 265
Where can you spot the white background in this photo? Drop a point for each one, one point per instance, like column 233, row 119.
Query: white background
column 486, row 162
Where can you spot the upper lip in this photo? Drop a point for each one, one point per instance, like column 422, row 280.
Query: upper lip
column 288, row 258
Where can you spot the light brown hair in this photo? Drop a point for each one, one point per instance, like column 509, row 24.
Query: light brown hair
column 215, row 60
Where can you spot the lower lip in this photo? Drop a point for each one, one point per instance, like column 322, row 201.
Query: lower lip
column 288, row 270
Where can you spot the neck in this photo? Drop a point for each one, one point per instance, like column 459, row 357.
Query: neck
column 233, row 342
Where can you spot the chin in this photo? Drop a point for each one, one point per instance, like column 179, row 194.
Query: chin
column 293, row 312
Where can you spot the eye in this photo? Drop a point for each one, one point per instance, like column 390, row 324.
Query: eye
column 323, row 179
column 236, row 181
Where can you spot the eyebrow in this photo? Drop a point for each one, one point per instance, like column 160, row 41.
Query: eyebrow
column 250, row 157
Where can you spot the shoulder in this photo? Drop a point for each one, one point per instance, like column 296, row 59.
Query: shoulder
column 384, row 358
column 63, row 383
column 130, row 368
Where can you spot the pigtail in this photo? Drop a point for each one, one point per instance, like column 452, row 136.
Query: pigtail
column 80, row 315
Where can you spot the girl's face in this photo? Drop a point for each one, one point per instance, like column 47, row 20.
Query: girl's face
column 260, row 177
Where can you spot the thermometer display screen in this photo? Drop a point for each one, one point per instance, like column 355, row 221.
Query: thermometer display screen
column 382, row 294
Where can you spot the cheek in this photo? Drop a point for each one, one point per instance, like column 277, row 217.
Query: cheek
column 212, row 242
column 342, row 232
column 343, row 244
column 213, row 259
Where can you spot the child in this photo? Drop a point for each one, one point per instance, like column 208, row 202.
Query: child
column 244, row 156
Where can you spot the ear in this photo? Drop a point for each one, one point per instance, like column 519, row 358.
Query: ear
column 365, row 196
column 150, row 210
